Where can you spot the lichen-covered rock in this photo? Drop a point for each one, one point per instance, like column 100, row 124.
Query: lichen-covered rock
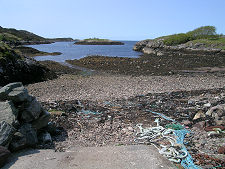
column 31, row 110
column 6, row 133
column 8, row 112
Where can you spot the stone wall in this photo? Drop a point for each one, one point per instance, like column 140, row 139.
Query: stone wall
column 22, row 119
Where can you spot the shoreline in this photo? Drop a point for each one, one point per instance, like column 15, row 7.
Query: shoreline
column 153, row 65
column 112, row 87
column 125, row 99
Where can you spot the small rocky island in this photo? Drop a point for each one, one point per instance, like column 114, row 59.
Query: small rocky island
column 97, row 41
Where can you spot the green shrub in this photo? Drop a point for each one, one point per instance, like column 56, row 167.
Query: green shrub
column 203, row 32
column 176, row 39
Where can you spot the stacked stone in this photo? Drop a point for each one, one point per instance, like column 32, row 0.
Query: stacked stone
column 21, row 119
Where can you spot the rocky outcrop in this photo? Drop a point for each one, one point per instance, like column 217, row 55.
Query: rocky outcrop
column 23, row 121
column 157, row 47
column 15, row 67
column 98, row 42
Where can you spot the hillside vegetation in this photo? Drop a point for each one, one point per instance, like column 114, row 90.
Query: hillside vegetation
column 96, row 39
column 204, row 34
column 10, row 34
column 16, row 37
column 6, row 52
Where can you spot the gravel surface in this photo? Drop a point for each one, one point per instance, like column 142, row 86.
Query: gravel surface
column 111, row 87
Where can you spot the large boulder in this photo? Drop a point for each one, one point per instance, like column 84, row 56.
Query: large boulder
column 42, row 121
column 31, row 110
column 25, row 137
column 6, row 133
column 29, row 133
column 15, row 92
column 4, row 91
column 147, row 50
column 4, row 154
column 8, row 112
column 18, row 142
column 18, row 94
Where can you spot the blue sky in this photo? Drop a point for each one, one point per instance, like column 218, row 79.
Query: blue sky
column 113, row 19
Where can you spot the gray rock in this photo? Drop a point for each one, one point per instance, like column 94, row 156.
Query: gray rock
column 31, row 111
column 15, row 92
column 30, row 134
column 198, row 115
column 8, row 112
column 1, row 70
column 4, row 154
column 147, row 50
column 219, row 109
column 4, row 91
column 186, row 122
column 6, row 133
column 18, row 94
column 42, row 121
column 18, row 142
column 207, row 105
column 45, row 137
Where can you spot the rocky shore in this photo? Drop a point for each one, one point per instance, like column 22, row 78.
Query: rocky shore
column 96, row 112
column 159, row 48
column 154, row 65
column 31, row 52
column 16, row 67
column 104, row 108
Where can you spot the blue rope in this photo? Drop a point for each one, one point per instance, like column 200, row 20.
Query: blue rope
column 187, row 162
column 162, row 115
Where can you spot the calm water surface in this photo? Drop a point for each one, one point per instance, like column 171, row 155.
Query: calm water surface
column 70, row 51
